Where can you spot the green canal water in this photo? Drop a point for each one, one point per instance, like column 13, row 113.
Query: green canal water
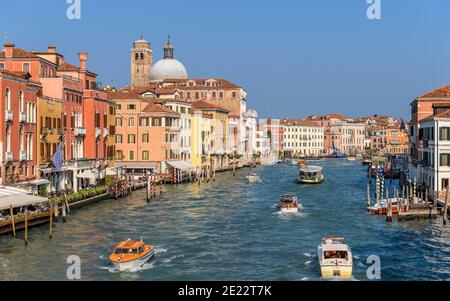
column 231, row 230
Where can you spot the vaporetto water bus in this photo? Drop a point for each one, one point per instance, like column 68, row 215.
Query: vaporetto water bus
column 310, row 175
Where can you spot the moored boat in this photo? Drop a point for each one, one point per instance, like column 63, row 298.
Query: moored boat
column 351, row 158
column 253, row 178
column 131, row 254
column 380, row 207
column 310, row 175
column 366, row 160
column 289, row 203
column 302, row 163
column 335, row 258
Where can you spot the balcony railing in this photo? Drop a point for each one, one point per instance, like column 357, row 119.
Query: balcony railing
column 23, row 155
column 79, row 131
column 8, row 115
column 9, row 156
column 23, row 117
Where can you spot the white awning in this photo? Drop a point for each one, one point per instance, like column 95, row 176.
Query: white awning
column 38, row 182
column 181, row 165
column 111, row 171
column 91, row 174
column 138, row 165
column 15, row 197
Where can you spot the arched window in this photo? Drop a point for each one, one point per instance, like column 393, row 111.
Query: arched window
column 21, row 101
column 142, row 56
column 136, row 56
column 8, row 99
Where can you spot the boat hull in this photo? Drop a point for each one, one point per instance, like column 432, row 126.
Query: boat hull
column 289, row 210
column 303, row 181
column 130, row 265
column 253, row 179
column 336, row 271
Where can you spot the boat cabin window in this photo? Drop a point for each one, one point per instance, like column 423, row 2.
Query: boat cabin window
column 126, row 251
column 335, row 255
column 141, row 249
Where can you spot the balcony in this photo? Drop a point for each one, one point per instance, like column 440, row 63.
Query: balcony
column 9, row 156
column 98, row 132
column 79, row 131
column 8, row 116
column 105, row 132
column 23, row 156
column 23, row 117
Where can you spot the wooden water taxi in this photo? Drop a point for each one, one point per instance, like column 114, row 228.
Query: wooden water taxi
column 366, row 160
column 311, row 175
column 335, row 258
column 289, row 203
column 302, row 163
column 380, row 208
column 253, row 178
column 131, row 254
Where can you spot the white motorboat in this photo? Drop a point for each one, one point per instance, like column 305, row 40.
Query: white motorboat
column 335, row 258
column 289, row 203
column 253, row 178
column 131, row 254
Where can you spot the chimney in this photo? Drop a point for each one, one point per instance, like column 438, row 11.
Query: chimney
column 9, row 50
column 83, row 58
column 51, row 49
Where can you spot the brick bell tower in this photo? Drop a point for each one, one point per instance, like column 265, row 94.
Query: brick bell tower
column 141, row 57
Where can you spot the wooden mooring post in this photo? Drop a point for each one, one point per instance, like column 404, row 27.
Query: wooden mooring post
column 50, row 233
column 26, row 225
column 388, row 206
column 11, row 212
column 148, row 188
column 444, row 218
column 64, row 218
column 56, row 212
column 368, row 195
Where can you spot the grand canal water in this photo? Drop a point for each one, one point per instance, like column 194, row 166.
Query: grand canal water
column 231, row 230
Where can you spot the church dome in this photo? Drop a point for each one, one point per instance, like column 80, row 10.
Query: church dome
column 168, row 68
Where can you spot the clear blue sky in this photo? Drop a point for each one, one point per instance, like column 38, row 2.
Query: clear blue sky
column 294, row 58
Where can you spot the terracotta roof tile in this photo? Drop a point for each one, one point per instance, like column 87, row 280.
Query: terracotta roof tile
column 20, row 53
column 204, row 105
column 155, row 108
column 442, row 92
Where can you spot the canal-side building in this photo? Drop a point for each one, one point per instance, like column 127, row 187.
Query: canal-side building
column 49, row 129
column 423, row 107
column 434, row 152
column 147, row 134
column 211, row 137
column 387, row 140
column 332, row 138
column 302, row 138
column 18, row 102
column 263, row 148
column 348, row 137
column 274, row 131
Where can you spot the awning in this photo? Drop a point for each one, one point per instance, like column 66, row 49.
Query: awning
column 111, row 171
column 181, row 165
column 15, row 197
column 38, row 182
column 138, row 165
column 91, row 174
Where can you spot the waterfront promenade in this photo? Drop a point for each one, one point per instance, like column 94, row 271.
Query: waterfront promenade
column 229, row 229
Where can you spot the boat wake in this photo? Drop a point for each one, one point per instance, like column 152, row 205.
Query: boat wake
column 169, row 260
column 308, row 262
column 160, row 250
column 307, row 255
column 146, row 266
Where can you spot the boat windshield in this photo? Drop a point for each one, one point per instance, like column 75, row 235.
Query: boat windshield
column 126, row 251
column 335, row 255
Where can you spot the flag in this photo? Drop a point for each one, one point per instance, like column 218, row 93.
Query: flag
column 57, row 158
